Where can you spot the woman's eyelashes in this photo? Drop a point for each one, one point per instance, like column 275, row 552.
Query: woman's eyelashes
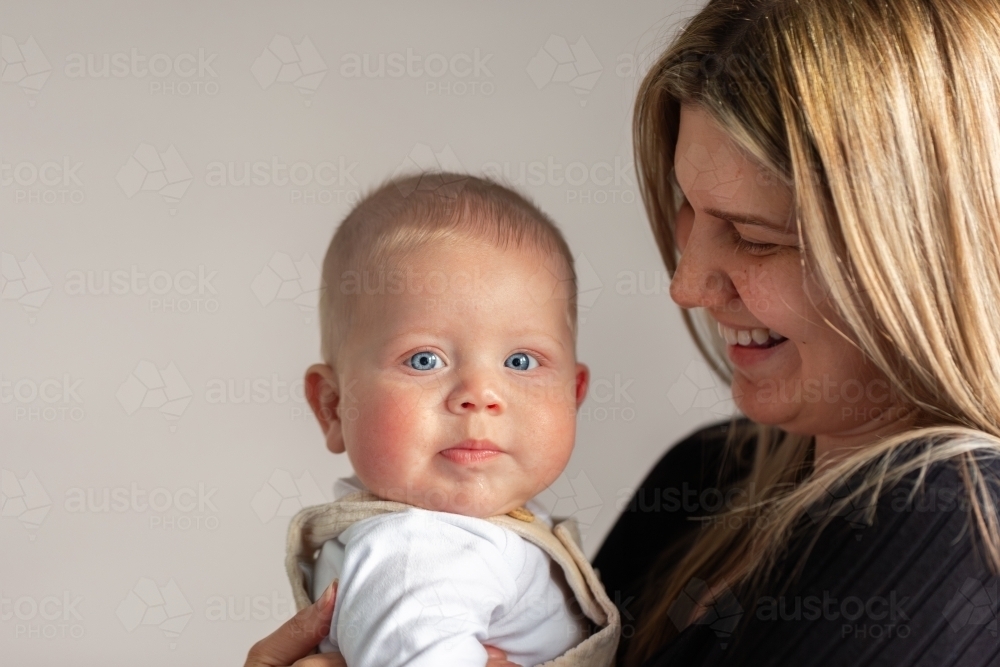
column 741, row 244
column 425, row 360
column 750, row 247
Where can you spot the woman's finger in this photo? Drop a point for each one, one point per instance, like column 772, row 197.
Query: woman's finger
column 497, row 658
column 322, row 660
column 298, row 636
column 494, row 653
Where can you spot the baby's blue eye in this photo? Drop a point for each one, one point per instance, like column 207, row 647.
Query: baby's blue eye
column 520, row 361
column 425, row 361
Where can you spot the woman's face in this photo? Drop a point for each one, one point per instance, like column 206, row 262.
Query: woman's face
column 792, row 368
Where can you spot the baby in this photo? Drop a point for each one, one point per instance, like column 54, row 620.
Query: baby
column 449, row 333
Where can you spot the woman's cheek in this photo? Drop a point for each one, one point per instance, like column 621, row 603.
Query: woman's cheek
column 768, row 288
column 682, row 226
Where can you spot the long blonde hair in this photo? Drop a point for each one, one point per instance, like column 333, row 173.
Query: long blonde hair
column 883, row 116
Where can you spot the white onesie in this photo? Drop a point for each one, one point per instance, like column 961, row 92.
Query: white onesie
column 421, row 587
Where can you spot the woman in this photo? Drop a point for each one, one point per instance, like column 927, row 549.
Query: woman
column 821, row 181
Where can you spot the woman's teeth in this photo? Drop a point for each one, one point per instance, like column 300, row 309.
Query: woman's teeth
column 745, row 337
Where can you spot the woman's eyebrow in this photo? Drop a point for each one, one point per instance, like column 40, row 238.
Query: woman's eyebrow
column 742, row 219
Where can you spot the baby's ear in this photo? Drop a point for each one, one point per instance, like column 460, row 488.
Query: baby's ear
column 323, row 395
column 582, row 381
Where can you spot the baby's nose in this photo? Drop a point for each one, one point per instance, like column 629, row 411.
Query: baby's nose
column 475, row 396
column 470, row 405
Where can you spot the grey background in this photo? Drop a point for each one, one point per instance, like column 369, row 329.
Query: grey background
column 134, row 393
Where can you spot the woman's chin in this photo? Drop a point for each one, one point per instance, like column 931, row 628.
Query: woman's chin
column 771, row 412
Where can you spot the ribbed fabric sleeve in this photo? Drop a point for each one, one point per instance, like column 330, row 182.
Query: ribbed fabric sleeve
column 912, row 588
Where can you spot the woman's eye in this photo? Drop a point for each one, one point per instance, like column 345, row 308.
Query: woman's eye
column 520, row 361
column 743, row 245
column 425, row 361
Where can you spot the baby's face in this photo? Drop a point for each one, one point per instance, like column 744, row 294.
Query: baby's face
column 459, row 392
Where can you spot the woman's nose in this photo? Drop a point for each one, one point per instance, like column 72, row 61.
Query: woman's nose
column 701, row 279
column 476, row 392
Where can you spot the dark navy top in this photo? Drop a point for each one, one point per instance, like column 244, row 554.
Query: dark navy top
column 912, row 588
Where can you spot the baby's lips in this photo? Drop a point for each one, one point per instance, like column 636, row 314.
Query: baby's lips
column 477, row 445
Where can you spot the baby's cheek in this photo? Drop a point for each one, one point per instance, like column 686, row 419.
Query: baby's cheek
column 381, row 438
column 547, row 427
column 549, row 393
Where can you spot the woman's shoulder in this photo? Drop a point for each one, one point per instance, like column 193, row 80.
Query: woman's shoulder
column 698, row 458
column 903, row 582
column 944, row 485
column 935, row 493
column 657, row 516
column 899, row 578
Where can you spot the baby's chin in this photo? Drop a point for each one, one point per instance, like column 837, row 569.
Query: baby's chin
column 468, row 500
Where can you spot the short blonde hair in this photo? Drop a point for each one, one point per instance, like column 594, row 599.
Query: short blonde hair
column 407, row 213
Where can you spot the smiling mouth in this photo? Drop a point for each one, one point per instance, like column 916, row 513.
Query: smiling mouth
column 756, row 338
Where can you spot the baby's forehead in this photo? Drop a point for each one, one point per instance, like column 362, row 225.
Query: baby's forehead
column 464, row 250
column 515, row 288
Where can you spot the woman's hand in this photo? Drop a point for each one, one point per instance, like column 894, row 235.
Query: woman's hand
column 498, row 658
column 293, row 642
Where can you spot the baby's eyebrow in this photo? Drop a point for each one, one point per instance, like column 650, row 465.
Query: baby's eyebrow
column 413, row 332
column 528, row 334
column 436, row 334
